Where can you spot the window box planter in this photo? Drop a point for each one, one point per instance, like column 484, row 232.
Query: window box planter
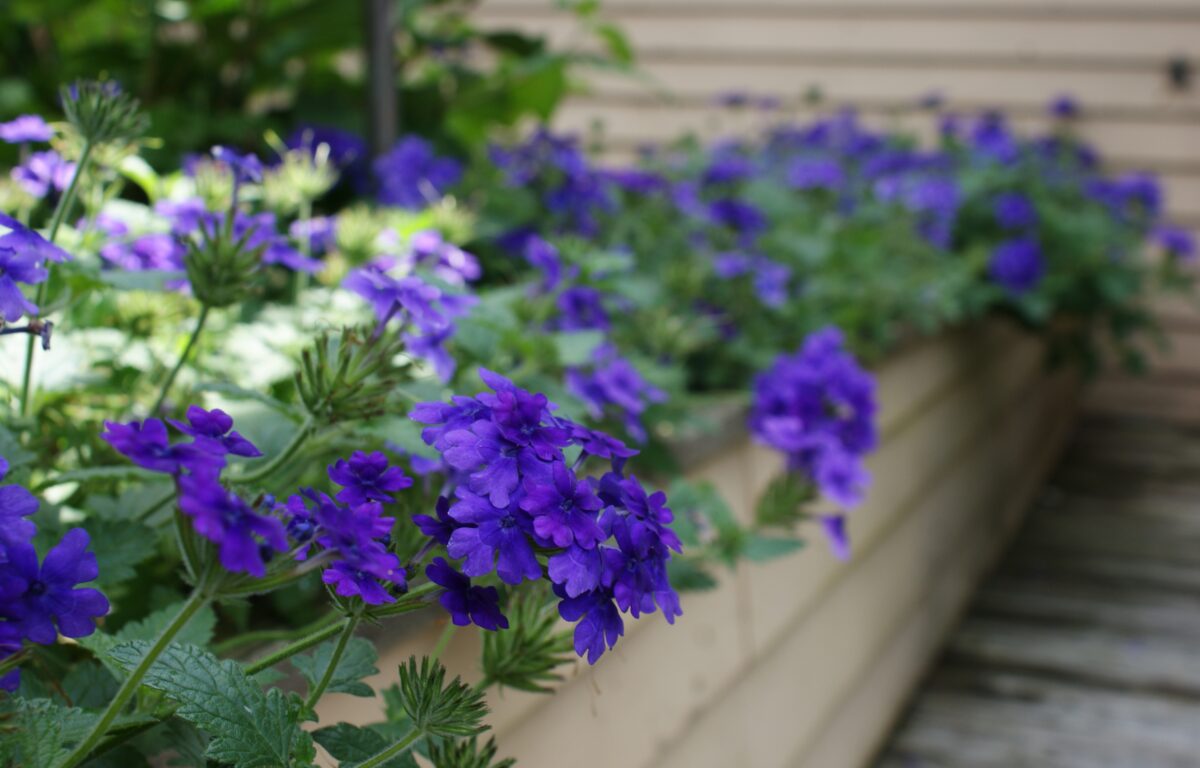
column 806, row 660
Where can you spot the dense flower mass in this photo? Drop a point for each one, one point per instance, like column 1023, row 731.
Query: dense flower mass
column 606, row 542
column 818, row 407
column 410, row 175
column 23, row 257
column 40, row 600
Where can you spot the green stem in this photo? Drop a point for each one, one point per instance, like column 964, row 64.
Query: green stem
column 291, row 649
column 187, row 351
column 393, row 751
column 60, row 214
column 197, row 600
column 343, row 640
column 302, row 434
column 260, row 636
column 14, row 661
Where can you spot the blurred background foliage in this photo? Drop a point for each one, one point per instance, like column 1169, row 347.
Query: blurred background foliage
column 227, row 71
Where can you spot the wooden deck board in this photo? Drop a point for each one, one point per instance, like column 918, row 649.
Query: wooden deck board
column 1082, row 650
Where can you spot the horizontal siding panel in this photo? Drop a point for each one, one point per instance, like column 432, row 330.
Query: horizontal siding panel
column 1104, row 9
column 1136, row 42
column 896, row 83
column 1151, row 145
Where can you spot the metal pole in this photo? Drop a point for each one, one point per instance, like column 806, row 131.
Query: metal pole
column 382, row 106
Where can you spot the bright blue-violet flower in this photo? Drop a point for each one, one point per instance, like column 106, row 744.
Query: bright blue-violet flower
column 613, row 386
column 1014, row 211
column 43, row 173
column 410, row 175
column 817, row 406
column 1017, row 265
column 1177, row 242
column 25, row 129
column 607, row 541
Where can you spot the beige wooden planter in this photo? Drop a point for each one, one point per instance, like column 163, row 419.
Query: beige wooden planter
column 806, row 661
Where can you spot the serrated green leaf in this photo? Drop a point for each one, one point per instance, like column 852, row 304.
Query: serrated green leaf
column 45, row 733
column 11, row 450
column 120, row 546
column 247, row 727
column 349, row 744
column 357, row 662
column 198, row 631
column 435, row 707
column 782, row 503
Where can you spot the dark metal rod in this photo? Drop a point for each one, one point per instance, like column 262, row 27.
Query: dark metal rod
column 382, row 106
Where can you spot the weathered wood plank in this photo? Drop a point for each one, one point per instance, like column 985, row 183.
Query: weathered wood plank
column 1083, row 649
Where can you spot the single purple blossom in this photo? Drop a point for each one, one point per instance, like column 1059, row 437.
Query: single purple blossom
column 493, row 538
column 213, row 432
column 49, row 594
column 465, row 603
column 146, row 444
column 598, row 626
column 24, row 129
column 565, row 510
column 224, row 518
column 1017, row 265
column 367, row 477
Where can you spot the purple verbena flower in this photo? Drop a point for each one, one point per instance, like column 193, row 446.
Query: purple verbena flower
column 465, row 603
column 213, row 432
column 39, row 598
column 24, row 129
column 1017, row 265
column 44, row 172
column 565, row 510
column 410, row 175
column 367, row 477
column 817, row 407
column 598, row 624
column 146, row 444
column 242, row 536
column 492, row 538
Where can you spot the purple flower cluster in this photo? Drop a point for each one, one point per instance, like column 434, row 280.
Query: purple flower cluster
column 1017, row 265
column 614, row 386
column 244, row 537
column 350, row 529
column 523, row 511
column 770, row 279
column 817, row 406
column 23, row 257
column 427, row 312
column 347, row 151
column 44, row 172
column 571, row 191
column 347, row 534
column 38, row 601
column 410, row 175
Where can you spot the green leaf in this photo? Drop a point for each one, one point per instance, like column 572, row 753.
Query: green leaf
column 11, row 450
column 349, row 744
column 45, row 733
column 466, row 753
column 198, row 631
column 120, row 546
column 123, row 472
column 576, row 347
column 443, row 711
column 763, row 548
column 616, row 42
column 357, row 662
column 687, row 576
column 154, row 280
column 248, row 728
column 526, row 654
column 781, row 505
